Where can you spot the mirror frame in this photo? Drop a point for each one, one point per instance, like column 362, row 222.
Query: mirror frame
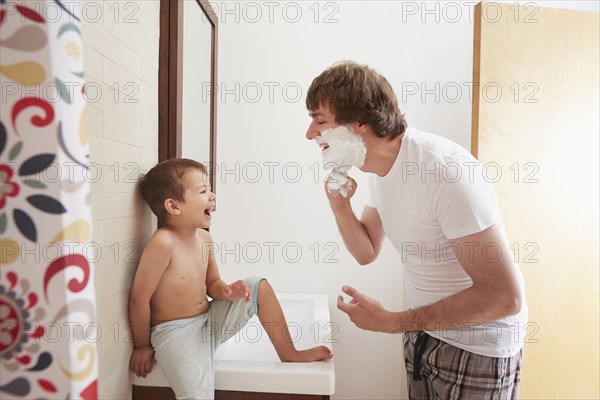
column 170, row 82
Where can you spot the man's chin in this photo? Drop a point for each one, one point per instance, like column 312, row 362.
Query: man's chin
column 347, row 157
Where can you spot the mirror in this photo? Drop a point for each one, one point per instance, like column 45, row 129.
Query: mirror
column 187, row 75
column 195, row 117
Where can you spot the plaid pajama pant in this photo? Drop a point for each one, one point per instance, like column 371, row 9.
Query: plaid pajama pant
column 442, row 371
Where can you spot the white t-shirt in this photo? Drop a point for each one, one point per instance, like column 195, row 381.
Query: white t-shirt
column 436, row 191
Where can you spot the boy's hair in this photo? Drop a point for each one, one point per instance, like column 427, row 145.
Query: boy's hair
column 356, row 93
column 164, row 181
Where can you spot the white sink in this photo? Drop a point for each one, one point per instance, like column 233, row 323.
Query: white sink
column 248, row 362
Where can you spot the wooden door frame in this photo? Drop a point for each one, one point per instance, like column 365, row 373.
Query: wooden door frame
column 170, row 77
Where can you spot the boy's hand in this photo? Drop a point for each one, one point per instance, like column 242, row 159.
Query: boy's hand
column 142, row 360
column 237, row 290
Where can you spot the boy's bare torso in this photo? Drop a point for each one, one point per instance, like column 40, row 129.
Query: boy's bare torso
column 181, row 292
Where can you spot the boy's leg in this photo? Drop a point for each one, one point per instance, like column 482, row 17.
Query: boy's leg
column 183, row 352
column 273, row 320
column 228, row 318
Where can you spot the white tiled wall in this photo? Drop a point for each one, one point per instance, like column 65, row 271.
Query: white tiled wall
column 121, row 40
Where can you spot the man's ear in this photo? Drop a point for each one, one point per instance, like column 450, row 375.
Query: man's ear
column 171, row 206
column 360, row 128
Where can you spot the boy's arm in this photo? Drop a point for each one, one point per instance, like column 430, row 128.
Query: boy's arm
column 216, row 288
column 153, row 263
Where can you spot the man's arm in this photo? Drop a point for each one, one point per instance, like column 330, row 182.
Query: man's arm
column 362, row 238
column 495, row 293
column 153, row 263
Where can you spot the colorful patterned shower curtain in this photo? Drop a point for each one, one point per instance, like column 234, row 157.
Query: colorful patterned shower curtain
column 48, row 332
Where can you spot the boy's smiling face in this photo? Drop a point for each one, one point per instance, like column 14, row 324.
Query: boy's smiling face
column 198, row 200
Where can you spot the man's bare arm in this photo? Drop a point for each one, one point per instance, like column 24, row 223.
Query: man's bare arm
column 363, row 238
column 496, row 293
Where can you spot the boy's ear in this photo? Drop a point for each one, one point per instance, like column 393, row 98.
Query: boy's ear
column 171, row 206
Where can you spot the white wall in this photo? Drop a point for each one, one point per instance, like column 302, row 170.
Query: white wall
column 121, row 70
column 262, row 203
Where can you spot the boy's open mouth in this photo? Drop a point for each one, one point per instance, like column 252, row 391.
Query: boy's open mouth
column 208, row 211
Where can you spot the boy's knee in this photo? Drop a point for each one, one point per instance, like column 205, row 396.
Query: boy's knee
column 253, row 282
column 264, row 287
column 256, row 284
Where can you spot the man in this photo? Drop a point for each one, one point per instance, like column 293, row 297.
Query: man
column 464, row 333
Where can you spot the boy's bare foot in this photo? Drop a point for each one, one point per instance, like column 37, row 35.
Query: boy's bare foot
column 315, row 354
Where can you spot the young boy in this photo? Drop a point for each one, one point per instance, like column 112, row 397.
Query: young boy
column 170, row 315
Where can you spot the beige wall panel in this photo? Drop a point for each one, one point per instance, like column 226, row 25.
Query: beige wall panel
column 535, row 121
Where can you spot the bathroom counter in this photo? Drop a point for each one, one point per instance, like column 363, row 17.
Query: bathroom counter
column 248, row 362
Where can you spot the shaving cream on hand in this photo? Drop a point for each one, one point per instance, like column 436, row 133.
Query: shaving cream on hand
column 342, row 149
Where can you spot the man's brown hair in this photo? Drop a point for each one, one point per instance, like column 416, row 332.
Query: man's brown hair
column 164, row 181
column 357, row 93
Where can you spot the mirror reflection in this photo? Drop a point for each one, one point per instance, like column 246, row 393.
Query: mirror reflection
column 196, row 59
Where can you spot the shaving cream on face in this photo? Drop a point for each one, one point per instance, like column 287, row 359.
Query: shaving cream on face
column 342, row 149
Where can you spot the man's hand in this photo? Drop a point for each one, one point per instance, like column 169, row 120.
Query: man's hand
column 142, row 360
column 237, row 290
column 367, row 313
column 336, row 199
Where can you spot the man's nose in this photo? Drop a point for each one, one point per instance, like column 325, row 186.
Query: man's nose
column 312, row 132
